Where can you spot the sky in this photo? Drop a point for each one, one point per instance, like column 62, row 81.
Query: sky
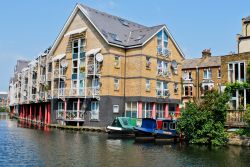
column 27, row 27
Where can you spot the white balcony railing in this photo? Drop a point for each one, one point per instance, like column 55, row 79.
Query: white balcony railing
column 42, row 78
column 70, row 115
column 88, row 92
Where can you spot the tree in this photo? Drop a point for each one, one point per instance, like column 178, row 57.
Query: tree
column 203, row 121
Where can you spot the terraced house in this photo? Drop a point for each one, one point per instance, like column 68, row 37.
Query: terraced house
column 102, row 66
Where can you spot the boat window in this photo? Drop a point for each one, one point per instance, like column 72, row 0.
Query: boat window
column 125, row 121
column 165, row 125
column 172, row 126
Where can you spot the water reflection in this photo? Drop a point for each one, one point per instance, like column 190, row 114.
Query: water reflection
column 24, row 144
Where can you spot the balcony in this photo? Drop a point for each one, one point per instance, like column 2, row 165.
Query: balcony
column 33, row 97
column 42, row 79
column 235, row 118
column 162, row 93
column 70, row 115
column 49, row 76
column 93, row 69
column 76, row 92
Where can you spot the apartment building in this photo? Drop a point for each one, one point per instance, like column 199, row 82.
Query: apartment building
column 3, row 99
column 200, row 75
column 102, row 66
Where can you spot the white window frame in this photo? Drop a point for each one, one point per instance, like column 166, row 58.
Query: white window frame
column 117, row 61
column 129, row 108
column 161, row 88
column 208, row 72
column 233, row 79
column 160, row 46
column 94, row 110
column 116, row 109
column 160, row 110
column 116, row 84
column 148, row 85
column 162, row 68
column 60, row 106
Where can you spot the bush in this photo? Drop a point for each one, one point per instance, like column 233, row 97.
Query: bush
column 203, row 121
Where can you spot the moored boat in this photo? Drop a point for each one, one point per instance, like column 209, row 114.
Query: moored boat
column 166, row 130
column 146, row 131
column 122, row 127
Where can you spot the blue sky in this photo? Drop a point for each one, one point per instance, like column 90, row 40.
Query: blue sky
column 30, row 26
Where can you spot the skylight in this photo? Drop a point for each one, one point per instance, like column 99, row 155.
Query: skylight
column 125, row 23
column 114, row 37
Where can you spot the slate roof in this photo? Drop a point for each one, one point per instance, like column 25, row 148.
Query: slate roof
column 213, row 61
column 128, row 33
column 20, row 65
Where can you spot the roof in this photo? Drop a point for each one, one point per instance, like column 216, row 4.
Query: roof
column 20, row 65
column 115, row 30
column 213, row 61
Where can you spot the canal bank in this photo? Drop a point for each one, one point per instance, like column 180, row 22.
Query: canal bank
column 31, row 147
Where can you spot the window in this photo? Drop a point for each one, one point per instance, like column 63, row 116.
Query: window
column 94, row 110
column 162, row 68
column 147, row 110
column 116, row 109
column 148, row 62
column 207, row 74
column 162, row 43
column 78, row 63
column 117, row 61
column 162, row 89
column 131, row 109
column 175, row 88
column 160, row 110
column 190, row 75
column 219, row 73
column 172, row 126
column 60, row 106
column 148, row 85
column 188, row 91
column 116, row 84
column 236, row 72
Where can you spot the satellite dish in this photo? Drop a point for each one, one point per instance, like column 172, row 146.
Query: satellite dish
column 99, row 57
column 174, row 64
column 64, row 63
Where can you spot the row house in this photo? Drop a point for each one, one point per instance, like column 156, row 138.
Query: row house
column 200, row 75
column 102, row 66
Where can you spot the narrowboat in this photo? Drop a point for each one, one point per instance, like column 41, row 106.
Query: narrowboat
column 146, row 131
column 121, row 127
column 166, row 130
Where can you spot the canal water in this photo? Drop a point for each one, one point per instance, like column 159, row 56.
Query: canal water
column 21, row 145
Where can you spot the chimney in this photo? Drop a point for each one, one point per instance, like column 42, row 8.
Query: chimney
column 206, row 53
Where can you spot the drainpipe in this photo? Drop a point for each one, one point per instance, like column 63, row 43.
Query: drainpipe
column 198, row 82
column 124, row 86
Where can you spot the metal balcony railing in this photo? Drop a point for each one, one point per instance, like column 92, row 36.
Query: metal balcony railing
column 88, row 92
column 70, row 115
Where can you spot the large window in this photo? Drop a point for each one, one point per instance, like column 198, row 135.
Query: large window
column 117, row 61
column 94, row 110
column 78, row 63
column 162, row 89
column 207, row 74
column 160, row 110
column 162, row 43
column 60, row 106
column 236, row 72
column 116, row 84
column 162, row 68
column 131, row 109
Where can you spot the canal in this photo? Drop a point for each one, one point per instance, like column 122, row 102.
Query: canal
column 24, row 146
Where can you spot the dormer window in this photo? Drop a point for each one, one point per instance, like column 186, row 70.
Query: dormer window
column 162, row 43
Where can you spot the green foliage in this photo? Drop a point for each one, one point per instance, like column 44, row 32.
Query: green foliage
column 230, row 87
column 4, row 109
column 203, row 122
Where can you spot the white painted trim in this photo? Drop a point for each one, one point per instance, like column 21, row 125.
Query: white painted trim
column 58, row 57
column 76, row 31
